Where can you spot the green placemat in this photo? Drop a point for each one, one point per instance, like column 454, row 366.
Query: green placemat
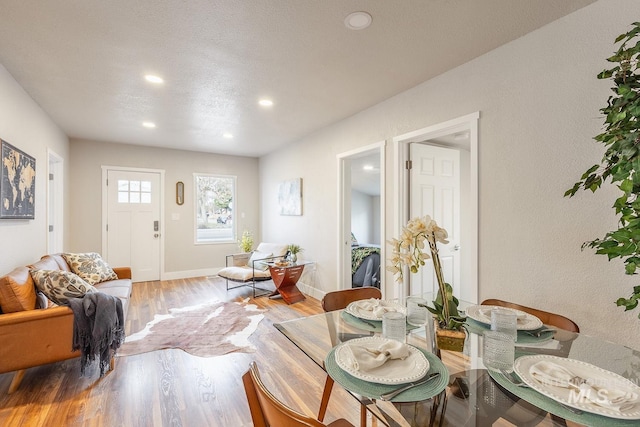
column 547, row 404
column 367, row 325
column 523, row 338
column 374, row 390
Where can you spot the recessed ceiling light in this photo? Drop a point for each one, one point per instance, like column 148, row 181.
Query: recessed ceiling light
column 358, row 20
column 227, row 135
column 149, row 125
column 153, row 79
column 266, row 102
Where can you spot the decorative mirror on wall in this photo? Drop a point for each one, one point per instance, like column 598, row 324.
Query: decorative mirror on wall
column 179, row 192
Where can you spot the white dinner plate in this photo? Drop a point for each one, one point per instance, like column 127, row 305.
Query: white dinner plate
column 394, row 371
column 525, row 321
column 569, row 396
column 357, row 308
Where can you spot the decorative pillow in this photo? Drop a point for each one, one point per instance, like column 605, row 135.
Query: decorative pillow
column 90, row 267
column 261, row 265
column 256, row 256
column 59, row 286
column 17, row 292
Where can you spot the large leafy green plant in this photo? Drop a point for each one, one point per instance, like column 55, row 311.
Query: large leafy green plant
column 621, row 160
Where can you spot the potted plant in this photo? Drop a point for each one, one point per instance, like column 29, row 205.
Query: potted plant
column 246, row 242
column 621, row 160
column 293, row 252
column 409, row 250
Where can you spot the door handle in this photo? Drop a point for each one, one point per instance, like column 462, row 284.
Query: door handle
column 456, row 248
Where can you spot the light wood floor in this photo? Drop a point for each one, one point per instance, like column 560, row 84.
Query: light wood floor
column 174, row 388
column 171, row 387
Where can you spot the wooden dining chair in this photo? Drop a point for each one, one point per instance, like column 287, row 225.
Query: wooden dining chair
column 268, row 411
column 547, row 318
column 338, row 300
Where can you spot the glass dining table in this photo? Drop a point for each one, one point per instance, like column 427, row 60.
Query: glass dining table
column 471, row 395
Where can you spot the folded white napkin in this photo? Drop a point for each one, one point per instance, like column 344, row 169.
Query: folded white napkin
column 601, row 393
column 486, row 313
column 368, row 357
column 549, row 344
column 375, row 306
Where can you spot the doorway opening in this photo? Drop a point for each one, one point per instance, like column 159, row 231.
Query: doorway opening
column 55, row 203
column 461, row 135
column 361, row 217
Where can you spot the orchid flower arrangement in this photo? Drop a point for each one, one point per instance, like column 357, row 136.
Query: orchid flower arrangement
column 410, row 250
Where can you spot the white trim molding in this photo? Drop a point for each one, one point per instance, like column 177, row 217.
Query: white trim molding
column 469, row 123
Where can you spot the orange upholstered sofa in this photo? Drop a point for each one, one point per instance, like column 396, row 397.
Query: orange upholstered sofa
column 33, row 331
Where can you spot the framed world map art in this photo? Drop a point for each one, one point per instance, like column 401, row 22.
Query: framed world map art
column 17, row 183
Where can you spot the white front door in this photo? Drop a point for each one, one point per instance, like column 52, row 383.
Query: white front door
column 133, row 222
column 435, row 191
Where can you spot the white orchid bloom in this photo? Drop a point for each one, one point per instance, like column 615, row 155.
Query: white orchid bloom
column 409, row 249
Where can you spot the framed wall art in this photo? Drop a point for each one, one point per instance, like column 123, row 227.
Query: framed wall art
column 290, row 197
column 17, row 183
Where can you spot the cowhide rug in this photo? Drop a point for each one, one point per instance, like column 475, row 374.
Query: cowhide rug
column 210, row 329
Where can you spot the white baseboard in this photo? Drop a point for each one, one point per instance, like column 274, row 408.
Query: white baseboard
column 310, row 290
column 174, row 275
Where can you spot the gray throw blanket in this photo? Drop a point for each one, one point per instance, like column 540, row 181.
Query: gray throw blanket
column 98, row 328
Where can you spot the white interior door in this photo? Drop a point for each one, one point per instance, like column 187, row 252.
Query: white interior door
column 345, row 225
column 55, row 198
column 435, row 191
column 133, row 222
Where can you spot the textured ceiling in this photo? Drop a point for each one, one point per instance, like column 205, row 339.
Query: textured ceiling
column 83, row 62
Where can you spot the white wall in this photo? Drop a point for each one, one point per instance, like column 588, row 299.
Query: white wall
column 182, row 257
column 539, row 100
column 365, row 217
column 26, row 126
column 375, row 221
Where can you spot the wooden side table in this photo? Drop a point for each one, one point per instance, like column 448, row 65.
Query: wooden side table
column 285, row 278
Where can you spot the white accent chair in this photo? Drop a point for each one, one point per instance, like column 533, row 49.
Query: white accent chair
column 251, row 267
